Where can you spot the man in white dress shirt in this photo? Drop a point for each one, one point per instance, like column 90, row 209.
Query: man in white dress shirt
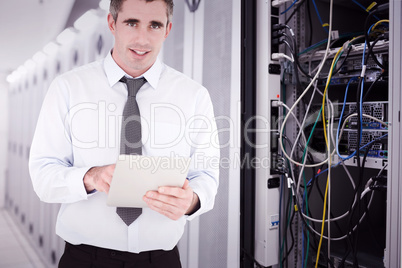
column 77, row 142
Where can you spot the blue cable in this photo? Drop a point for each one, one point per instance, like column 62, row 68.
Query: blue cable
column 379, row 138
column 361, row 112
column 360, row 5
column 365, row 9
column 325, row 170
column 294, row 2
column 362, row 89
column 319, row 17
column 339, row 125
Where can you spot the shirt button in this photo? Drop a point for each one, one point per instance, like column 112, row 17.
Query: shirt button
column 113, row 253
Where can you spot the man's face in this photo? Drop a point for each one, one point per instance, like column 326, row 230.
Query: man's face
column 140, row 30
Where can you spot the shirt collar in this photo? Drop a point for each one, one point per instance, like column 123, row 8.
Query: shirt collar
column 114, row 73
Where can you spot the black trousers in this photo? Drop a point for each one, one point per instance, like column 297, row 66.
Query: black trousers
column 85, row 256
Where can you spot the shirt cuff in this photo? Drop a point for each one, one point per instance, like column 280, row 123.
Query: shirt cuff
column 75, row 179
column 198, row 212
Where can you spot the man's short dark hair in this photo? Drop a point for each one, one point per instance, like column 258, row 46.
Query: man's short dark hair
column 115, row 6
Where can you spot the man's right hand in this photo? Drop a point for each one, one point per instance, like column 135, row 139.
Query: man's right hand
column 99, row 178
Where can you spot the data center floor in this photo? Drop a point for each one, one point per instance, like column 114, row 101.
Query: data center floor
column 15, row 250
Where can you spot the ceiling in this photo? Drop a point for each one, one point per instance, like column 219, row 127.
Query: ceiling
column 28, row 25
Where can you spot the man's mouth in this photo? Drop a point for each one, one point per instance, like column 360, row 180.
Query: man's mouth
column 140, row 53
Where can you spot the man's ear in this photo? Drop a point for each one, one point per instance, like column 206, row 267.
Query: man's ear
column 111, row 23
column 168, row 28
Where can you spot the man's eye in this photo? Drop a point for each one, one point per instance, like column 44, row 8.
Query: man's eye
column 154, row 26
column 132, row 24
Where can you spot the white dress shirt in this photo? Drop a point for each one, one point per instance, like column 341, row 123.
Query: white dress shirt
column 79, row 128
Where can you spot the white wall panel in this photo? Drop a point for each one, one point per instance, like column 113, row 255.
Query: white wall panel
column 217, row 62
column 94, row 35
column 4, row 88
column 35, row 103
column 11, row 138
column 211, row 56
column 18, row 127
column 25, row 109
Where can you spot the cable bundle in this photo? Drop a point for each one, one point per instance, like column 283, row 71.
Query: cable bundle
column 299, row 156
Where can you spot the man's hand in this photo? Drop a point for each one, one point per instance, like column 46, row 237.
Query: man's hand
column 99, row 178
column 173, row 202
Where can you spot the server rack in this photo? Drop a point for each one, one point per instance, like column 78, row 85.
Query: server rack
column 274, row 44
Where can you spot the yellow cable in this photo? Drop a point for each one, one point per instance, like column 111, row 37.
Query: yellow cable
column 329, row 158
column 378, row 22
column 325, row 92
column 370, row 7
column 323, row 224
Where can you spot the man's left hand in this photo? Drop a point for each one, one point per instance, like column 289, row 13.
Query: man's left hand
column 173, row 202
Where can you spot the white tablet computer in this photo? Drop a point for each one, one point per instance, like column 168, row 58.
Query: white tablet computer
column 134, row 175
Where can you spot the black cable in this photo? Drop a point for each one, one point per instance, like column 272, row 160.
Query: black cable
column 368, row 218
column 322, row 198
column 295, row 54
column 372, row 85
column 361, row 176
column 280, row 210
column 359, row 133
column 313, row 181
column 343, row 62
column 379, row 9
column 371, row 52
column 295, row 63
column 296, row 57
column 349, row 233
column 291, row 235
column 291, row 144
column 286, row 229
column 254, row 260
column 354, row 234
column 382, row 180
column 293, row 50
column 365, row 95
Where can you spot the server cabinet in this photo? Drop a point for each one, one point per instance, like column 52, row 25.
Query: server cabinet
column 325, row 164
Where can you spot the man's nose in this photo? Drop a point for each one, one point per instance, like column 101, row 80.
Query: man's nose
column 141, row 35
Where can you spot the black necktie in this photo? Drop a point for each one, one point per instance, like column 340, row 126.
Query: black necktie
column 131, row 137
